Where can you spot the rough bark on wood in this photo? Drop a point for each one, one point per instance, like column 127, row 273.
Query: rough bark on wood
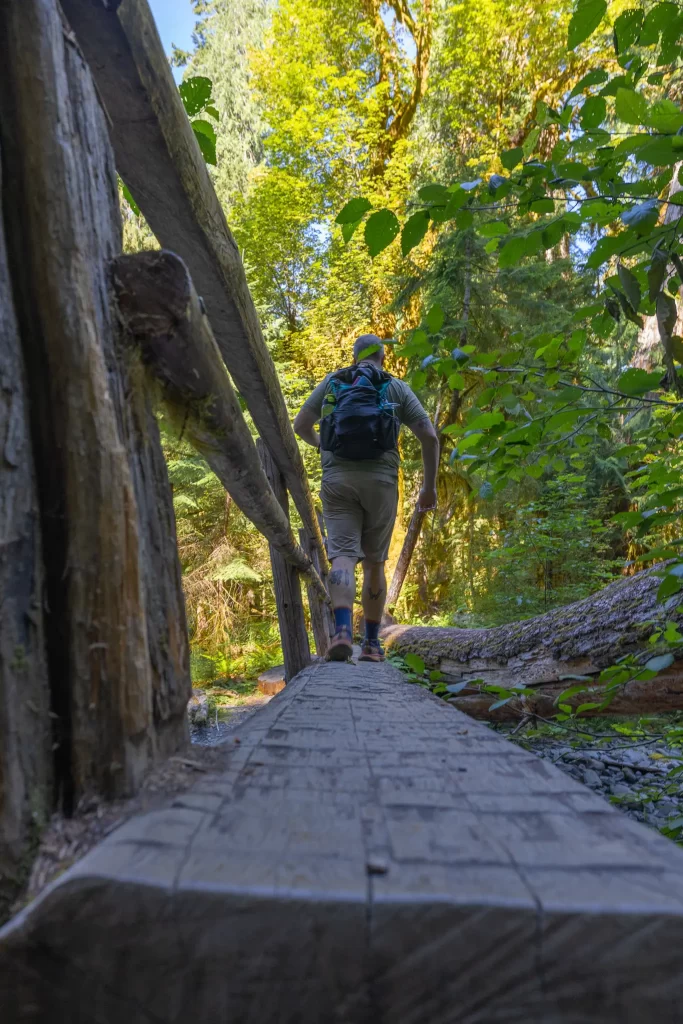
column 320, row 610
column 290, row 608
column 581, row 639
column 25, row 740
column 158, row 157
column 403, row 564
column 161, row 311
column 115, row 662
column 96, row 630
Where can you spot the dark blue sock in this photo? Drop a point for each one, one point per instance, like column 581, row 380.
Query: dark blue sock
column 371, row 630
column 342, row 619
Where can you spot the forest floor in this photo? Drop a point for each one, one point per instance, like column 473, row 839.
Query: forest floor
column 623, row 760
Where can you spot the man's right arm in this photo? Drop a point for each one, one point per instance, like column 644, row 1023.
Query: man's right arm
column 309, row 414
column 426, row 434
column 304, row 426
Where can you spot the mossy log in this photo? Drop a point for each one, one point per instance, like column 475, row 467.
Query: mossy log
column 539, row 654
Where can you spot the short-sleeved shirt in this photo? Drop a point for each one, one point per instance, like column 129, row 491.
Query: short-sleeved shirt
column 409, row 411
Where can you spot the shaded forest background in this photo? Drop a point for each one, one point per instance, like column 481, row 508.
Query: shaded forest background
column 315, row 102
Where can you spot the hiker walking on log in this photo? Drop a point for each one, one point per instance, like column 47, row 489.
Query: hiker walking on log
column 360, row 411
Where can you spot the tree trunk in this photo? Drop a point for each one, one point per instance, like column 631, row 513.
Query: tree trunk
column 581, row 639
column 649, row 350
column 158, row 157
column 404, row 559
column 290, row 608
column 107, row 538
column 25, row 740
column 164, row 316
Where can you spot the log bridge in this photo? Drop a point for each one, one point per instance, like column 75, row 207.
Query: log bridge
column 369, row 854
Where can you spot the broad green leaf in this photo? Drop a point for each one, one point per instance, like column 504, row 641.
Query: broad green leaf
column 435, row 195
column 631, row 106
column 353, row 210
column 500, row 703
column 638, row 382
column 669, row 585
column 414, row 230
column 512, row 252
column 631, row 286
column 486, row 491
column 627, row 29
column 544, row 205
column 205, row 134
column 493, row 229
column 131, row 202
column 593, row 112
column 414, row 662
column 456, row 382
column 381, row 228
column 418, row 380
column 584, row 21
column 511, row 158
column 435, row 319
column 485, row 420
column 665, row 116
column 596, row 77
column 195, row 93
column 642, row 217
column 564, row 419
column 667, row 315
column 349, row 229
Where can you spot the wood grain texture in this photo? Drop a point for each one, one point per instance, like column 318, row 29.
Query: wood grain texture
column 322, row 619
column 368, row 855
column 158, row 157
column 163, row 315
column 25, row 733
column 55, row 213
column 286, row 583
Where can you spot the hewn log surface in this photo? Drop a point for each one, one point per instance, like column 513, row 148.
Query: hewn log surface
column 286, row 583
column 580, row 639
column 158, row 157
column 25, row 733
column 162, row 313
column 368, row 855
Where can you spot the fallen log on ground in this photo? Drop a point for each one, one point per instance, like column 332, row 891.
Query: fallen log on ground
column 162, row 313
column 539, row 654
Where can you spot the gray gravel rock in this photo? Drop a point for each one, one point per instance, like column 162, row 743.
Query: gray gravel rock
column 592, row 779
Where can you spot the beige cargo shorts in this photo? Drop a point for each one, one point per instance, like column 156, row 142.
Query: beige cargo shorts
column 360, row 512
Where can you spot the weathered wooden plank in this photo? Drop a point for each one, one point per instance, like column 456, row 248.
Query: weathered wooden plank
column 161, row 311
column 290, row 608
column 25, row 734
column 368, row 855
column 321, row 611
column 158, row 157
column 95, row 626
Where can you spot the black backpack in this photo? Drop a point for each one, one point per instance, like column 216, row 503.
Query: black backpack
column 357, row 420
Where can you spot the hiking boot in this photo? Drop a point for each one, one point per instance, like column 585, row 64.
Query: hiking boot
column 341, row 646
column 371, row 651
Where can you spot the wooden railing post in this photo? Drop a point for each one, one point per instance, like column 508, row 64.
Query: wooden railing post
column 321, row 615
column 286, row 582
